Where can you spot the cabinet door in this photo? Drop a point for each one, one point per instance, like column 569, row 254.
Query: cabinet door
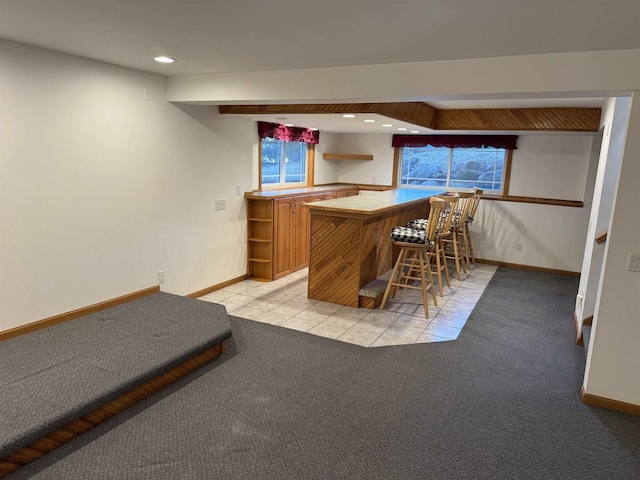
column 330, row 195
column 300, row 238
column 283, row 229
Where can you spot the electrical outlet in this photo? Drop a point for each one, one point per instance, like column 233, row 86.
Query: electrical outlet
column 579, row 299
column 518, row 246
column 147, row 92
column 374, row 180
column 221, row 204
column 160, row 276
column 238, row 189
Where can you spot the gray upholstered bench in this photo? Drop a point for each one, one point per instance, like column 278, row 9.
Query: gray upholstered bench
column 58, row 382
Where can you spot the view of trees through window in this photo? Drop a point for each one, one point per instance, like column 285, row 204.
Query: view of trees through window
column 453, row 167
column 283, row 162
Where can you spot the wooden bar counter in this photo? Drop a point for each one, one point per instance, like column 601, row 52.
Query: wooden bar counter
column 350, row 244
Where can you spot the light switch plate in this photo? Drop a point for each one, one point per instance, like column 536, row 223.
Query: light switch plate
column 633, row 265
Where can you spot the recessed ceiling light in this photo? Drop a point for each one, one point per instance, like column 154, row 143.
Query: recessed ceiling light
column 368, row 120
column 163, row 59
column 288, row 124
column 402, row 128
column 313, row 128
column 415, row 131
column 349, row 115
column 387, row 125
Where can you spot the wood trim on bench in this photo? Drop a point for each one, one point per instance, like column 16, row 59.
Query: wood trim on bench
column 528, row 267
column 219, row 286
column 80, row 312
column 617, row 405
column 73, row 429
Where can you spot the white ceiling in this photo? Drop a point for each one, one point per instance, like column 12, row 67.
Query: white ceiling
column 253, row 35
column 211, row 36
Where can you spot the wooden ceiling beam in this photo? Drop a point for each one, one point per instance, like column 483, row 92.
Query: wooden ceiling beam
column 416, row 113
column 567, row 119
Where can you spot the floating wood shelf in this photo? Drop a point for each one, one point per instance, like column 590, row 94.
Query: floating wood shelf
column 346, row 156
column 260, row 240
column 260, row 260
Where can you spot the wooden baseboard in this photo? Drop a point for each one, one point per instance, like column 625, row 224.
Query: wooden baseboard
column 80, row 312
column 617, row 405
column 579, row 340
column 62, row 435
column 528, row 267
column 219, row 286
column 588, row 321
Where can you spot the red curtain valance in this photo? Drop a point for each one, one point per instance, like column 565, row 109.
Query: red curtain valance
column 456, row 141
column 289, row 134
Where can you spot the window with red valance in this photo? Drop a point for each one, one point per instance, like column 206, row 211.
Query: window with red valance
column 507, row 142
column 454, row 162
column 288, row 134
column 286, row 155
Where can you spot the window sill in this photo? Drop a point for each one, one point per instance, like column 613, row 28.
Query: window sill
column 536, row 200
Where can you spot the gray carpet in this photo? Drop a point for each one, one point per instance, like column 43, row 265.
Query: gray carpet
column 55, row 375
column 502, row 402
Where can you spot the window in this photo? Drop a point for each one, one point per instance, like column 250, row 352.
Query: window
column 454, row 168
column 283, row 162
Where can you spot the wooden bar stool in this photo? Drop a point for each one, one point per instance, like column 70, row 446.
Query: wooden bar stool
column 477, row 196
column 456, row 247
column 443, row 230
column 413, row 263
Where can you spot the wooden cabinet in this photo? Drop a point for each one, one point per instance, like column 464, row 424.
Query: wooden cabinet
column 278, row 232
column 291, row 239
column 346, row 193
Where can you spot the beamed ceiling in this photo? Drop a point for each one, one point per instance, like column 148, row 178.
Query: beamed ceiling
column 555, row 119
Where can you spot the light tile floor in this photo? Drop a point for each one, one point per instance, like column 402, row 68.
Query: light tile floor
column 284, row 302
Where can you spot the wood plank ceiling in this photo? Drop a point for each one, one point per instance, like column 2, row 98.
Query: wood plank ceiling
column 566, row 119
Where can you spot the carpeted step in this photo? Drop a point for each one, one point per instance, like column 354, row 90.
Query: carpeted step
column 56, row 375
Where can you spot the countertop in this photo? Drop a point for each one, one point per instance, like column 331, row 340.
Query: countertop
column 269, row 194
column 373, row 203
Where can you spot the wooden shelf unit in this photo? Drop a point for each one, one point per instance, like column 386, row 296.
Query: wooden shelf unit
column 278, row 231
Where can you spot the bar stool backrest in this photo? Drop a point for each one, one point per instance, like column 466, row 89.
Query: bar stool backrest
column 464, row 207
column 477, row 195
column 451, row 207
column 437, row 207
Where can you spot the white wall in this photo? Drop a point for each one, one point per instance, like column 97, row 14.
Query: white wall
column 613, row 361
column 552, row 236
column 100, row 189
column 326, row 171
column 379, row 171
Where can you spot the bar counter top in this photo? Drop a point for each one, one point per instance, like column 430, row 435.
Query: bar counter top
column 271, row 194
column 373, row 203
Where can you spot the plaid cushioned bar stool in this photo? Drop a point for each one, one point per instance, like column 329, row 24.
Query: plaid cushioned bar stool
column 413, row 262
column 443, row 230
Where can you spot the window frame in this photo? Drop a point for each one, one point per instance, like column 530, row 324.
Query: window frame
column 506, row 174
column 310, row 162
